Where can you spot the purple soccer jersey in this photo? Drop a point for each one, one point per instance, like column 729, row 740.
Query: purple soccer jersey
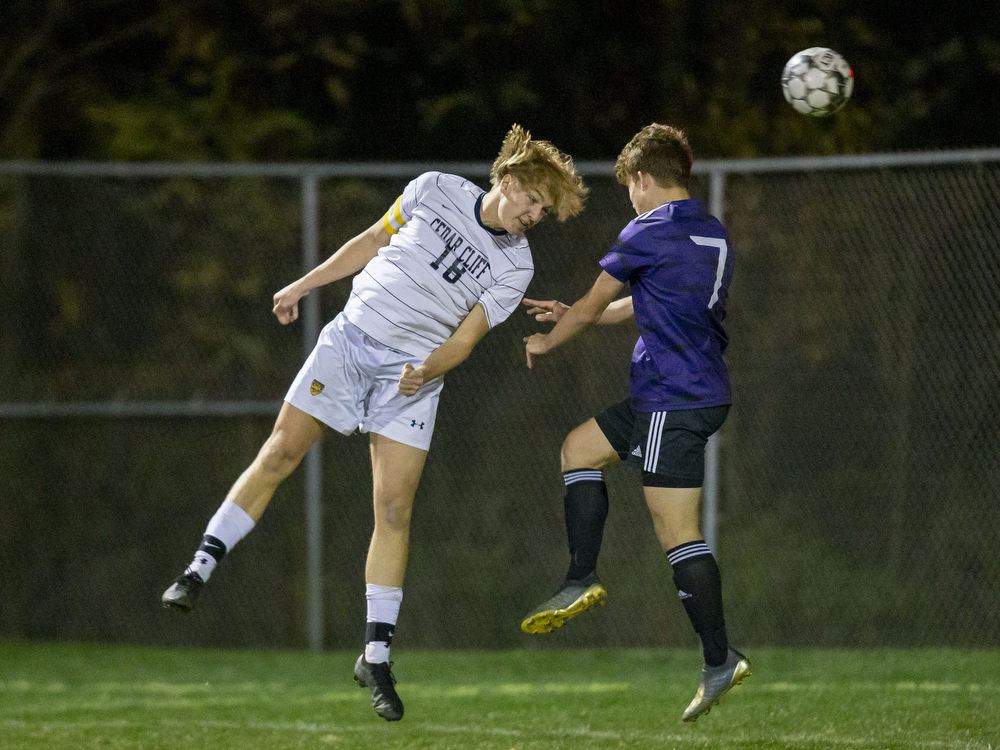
column 678, row 263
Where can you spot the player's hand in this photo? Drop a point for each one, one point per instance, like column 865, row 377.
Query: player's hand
column 286, row 304
column 410, row 380
column 545, row 311
column 534, row 346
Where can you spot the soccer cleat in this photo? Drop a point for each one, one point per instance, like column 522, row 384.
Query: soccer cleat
column 574, row 598
column 715, row 682
column 182, row 592
column 379, row 679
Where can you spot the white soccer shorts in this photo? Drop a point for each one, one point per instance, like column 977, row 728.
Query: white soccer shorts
column 349, row 382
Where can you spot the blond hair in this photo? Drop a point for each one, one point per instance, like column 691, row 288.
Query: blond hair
column 662, row 152
column 539, row 164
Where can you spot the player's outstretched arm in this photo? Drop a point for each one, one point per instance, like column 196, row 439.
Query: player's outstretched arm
column 587, row 311
column 449, row 355
column 618, row 312
column 348, row 260
column 550, row 311
column 545, row 311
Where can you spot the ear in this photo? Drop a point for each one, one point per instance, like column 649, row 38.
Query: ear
column 505, row 183
column 645, row 181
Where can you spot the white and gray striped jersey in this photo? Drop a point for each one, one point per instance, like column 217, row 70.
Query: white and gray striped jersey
column 440, row 262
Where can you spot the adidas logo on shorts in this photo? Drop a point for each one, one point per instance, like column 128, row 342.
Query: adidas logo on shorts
column 637, row 453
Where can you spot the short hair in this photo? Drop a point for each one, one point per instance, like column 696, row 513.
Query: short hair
column 539, row 164
column 662, row 152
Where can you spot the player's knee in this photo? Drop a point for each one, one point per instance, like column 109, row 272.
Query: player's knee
column 574, row 454
column 393, row 514
column 568, row 453
column 278, row 458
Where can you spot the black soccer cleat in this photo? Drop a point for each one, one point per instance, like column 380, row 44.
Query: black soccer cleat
column 182, row 592
column 379, row 679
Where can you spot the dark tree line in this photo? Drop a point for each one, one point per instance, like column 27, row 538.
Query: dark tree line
column 232, row 80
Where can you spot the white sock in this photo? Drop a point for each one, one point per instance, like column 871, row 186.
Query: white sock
column 229, row 524
column 383, row 608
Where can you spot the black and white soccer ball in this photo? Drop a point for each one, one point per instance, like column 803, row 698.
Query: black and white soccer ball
column 817, row 81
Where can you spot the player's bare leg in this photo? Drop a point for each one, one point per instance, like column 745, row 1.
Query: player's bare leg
column 396, row 470
column 675, row 512
column 293, row 434
column 584, row 453
column 676, row 515
column 587, row 447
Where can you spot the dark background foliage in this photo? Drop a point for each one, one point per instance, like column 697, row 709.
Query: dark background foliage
column 235, row 80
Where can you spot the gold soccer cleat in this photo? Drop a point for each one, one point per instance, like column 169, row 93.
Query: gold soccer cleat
column 574, row 598
column 715, row 682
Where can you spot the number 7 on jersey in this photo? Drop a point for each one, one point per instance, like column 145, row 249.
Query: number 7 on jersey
column 723, row 252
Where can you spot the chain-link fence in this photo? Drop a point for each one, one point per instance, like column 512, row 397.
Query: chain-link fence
column 141, row 369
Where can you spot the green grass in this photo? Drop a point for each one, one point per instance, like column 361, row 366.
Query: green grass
column 68, row 696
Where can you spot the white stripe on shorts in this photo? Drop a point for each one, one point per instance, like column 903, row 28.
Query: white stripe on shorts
column 656, row 421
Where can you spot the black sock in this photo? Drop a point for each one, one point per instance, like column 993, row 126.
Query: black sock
column 586, row 506
column 699, row 585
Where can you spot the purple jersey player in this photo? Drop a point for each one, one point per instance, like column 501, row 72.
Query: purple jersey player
column 677, row 261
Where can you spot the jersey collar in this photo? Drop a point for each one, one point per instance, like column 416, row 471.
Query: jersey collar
column 479, row 208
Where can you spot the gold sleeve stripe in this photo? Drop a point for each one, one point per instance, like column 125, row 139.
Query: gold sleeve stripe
column 393, row 219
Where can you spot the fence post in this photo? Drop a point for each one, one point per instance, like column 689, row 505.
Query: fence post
column 313, row 462
column 710, row 494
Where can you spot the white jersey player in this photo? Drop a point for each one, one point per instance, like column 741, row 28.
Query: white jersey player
column 446, row 263
column 441, row 262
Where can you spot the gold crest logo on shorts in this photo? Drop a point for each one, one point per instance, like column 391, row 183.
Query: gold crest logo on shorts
column 316, row 388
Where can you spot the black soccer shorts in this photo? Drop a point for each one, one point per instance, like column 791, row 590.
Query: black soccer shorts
column 668, row 445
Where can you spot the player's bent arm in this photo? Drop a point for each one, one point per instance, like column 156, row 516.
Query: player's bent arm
column 585, row 312
column 617, row 312
column 550, row 311
column 352, row 256
column 449, row 355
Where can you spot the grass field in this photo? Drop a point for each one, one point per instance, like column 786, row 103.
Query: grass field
column 85, row 696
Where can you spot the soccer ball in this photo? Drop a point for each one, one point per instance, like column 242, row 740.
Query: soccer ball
column 817, row 81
